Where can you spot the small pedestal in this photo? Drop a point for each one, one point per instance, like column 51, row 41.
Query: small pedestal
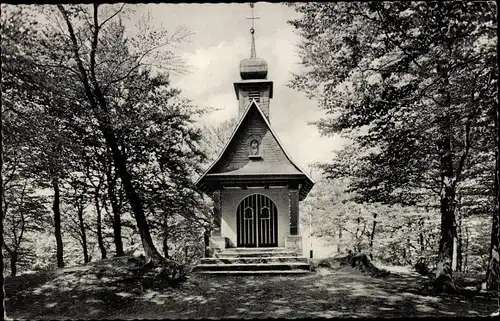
column 294, row 243
column 217, row 243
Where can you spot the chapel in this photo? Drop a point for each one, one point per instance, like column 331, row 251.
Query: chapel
column 255, row 184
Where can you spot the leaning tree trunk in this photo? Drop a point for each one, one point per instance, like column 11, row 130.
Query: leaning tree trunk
column 57, row 221
column 83, row 234
column 117, row 224
column 136, row 203
column 98, row 103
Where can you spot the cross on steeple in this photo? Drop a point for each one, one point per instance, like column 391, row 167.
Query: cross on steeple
column 253, row 53
column 253, row 18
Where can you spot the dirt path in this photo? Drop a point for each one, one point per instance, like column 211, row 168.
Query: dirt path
column 322, row 294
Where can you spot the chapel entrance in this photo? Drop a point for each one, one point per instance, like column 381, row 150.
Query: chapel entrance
column 257, row 222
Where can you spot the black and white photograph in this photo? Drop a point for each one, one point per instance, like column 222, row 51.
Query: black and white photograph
column 250, row 160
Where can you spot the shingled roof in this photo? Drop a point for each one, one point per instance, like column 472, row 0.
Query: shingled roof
column 234, row 164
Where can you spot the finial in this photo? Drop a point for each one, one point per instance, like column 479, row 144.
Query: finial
column 253, row 53
column 253, row 67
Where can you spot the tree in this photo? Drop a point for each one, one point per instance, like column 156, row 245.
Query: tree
column 164, row 169
column 408, row 82
column 215, row 137
column 79, row 200
column 81, row 59
column 25, row 97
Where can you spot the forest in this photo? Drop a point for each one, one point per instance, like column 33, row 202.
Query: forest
column 100, row 152
column 413, row 87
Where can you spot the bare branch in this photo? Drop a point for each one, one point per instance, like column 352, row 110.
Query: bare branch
column 93, row 49
column 112, row 16
column 78, row 59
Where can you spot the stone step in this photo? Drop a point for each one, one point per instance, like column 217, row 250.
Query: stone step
column 251, row 266
column 256, row 249
column 242, row 254
column 258, row 272
column 250, row 260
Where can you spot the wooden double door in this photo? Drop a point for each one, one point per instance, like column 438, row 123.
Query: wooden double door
column 257, row 222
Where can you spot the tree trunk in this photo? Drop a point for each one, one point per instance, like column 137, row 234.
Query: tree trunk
column 421, row 237
column 99, row 106
column 13, row 262
column 165, row 237
column 57, row 222
column 340, row 238
column 448, row 192
column 493, row 272
column 100, row 239
column 136, row 203
column 454, row 263
column 466, row 250
column 494, row 266
column 372, row 234
column 447, row 202
column 459, row 245
column 83, row 235
column 408, row 245
column 117, row 224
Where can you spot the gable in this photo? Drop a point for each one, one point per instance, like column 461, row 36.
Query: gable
column 235, row 158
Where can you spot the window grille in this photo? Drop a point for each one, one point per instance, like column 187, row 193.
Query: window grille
column 254, row 94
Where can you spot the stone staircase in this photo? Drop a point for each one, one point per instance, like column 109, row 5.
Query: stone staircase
column 238, row 261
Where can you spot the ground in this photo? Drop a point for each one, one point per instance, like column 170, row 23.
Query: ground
column 92, row 291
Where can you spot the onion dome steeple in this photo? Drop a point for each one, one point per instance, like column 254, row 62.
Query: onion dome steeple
column 253, row 85
column 253, row 68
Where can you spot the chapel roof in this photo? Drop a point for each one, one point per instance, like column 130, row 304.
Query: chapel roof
column 234, row 163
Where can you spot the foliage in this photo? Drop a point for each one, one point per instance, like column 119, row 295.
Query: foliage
column 391, row 233
column 215, row 137
column 109, row 126
column 414, row 86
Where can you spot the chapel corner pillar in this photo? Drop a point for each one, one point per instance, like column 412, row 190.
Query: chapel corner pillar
column 294, row 212
column 216, row 241
column 217, row 219
column 293, row 241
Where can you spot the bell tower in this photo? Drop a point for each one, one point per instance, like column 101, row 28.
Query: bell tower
column 254, row 84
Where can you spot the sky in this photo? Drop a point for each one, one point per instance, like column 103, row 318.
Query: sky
column 220, row 40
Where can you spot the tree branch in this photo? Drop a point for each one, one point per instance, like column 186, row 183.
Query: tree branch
column 112, row 16
column 93, row 49
column 86, row 84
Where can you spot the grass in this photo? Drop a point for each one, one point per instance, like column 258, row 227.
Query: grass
column 105, row 290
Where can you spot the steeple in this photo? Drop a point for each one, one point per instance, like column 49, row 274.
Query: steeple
column 253, row 68
column 254, row 84
column 253, row 53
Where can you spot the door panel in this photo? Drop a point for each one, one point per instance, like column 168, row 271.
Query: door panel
column 257, row 222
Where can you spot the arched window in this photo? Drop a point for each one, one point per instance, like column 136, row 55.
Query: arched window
column 265, row 213
column 248, row 213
